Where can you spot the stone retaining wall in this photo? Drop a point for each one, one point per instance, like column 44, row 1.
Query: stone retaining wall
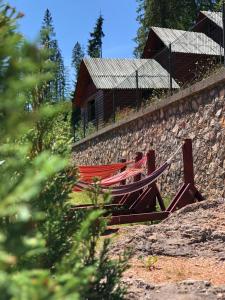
column 197, row 112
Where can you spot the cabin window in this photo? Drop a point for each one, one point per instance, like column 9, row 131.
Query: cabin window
column 91, row 110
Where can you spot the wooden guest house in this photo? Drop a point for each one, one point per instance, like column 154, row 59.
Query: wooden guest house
column 104, row 85
column 184, row 54
column 210, row 23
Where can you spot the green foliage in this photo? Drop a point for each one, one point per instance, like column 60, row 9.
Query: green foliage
column 45, row 251
column 206, row 4
column 56, row 87
column 95, row 41
column 23, row 179
column 83, row 198
column 77, row 56
column 79, row 130
column 218, row 5
column 149, row 262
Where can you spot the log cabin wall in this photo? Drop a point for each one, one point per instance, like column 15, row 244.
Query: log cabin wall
column 186, row 67
column 212, row 30
column 123, row 99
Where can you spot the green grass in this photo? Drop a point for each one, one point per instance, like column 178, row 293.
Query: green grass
column 167, row 200
column 79, row 198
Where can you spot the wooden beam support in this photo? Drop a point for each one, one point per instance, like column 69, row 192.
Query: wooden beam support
column 148, row 200
column 131, row 198
column 117, row 199
column 188, row 193
column 139, row 156
column 136, row 218
column 188, row 162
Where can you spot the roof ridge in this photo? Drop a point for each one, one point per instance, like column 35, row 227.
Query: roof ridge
column 166, row 28
column 114, row 58
column 210, row 11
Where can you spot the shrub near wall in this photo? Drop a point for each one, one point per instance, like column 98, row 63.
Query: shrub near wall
column 197, row 112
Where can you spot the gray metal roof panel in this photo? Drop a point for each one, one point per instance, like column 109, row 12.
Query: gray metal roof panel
column 187, row 41
column 216, row 17
column 121, row 73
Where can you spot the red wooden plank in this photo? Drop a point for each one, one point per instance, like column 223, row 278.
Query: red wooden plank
column 188, row 162
column 91, row 206
column 176, row 197
column 136, row 218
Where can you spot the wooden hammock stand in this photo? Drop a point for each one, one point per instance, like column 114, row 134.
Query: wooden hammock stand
column 141, row 206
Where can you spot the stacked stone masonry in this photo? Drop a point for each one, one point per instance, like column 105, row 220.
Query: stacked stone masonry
column 197, row 112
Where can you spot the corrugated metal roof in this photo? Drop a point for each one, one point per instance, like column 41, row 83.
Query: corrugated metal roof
column 121, row 73
column 215, row 17
column 187, row 42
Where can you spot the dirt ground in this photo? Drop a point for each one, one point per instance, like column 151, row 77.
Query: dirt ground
column 175, row 269
column 190, row 251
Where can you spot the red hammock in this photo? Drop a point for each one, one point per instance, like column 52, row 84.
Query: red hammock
column 132, row 187
column 135, row 169
column 129, row 172
column 129, row 188
column 121, row 176
column 87, row 173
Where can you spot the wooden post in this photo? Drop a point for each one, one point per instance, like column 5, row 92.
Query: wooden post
column 96, row 114
column 114, row 106
column 74, row 133
column 123, row 160
column 223, row 13
column 171, row 69
column 117, row 199
column 188, row 193
column 84, row 124
column 188, row 162
column 151, row 165
column 137, row 90
column 139, row 156
column 129, row 199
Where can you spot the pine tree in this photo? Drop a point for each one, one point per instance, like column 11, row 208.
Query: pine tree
column 77, row 56
column 162, row 13
column 218, row 5
column 55, row 90
column 60, row 75
column 47, row 30
column 46, row 253
column 95, row 41
column 206, row 4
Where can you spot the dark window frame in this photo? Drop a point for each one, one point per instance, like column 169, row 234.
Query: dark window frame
column 91, row 110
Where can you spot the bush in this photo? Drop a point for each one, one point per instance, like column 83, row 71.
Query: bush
column 45, row 252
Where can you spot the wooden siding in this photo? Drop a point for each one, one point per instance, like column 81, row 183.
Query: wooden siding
column 99, row 108
column 186, row 67
column 212, row 30
column 89, row 93
column 123, row 99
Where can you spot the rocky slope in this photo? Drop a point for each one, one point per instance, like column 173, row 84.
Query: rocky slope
column 193, row 239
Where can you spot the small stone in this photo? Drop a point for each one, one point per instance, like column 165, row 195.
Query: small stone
column 192, row 135
column 218, row 114
column 215, row 148
column 124, row 154
column 194, row 105
column 212, row 123
column 175, row 129
column 219, row 296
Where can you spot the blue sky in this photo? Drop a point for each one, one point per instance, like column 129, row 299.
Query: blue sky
column 74, row 19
